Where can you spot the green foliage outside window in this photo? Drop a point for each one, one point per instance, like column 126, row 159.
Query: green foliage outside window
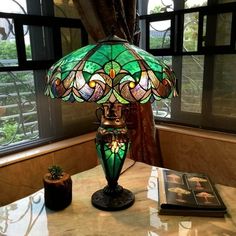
column 8, row 50
column 8, row 131
column 11, row 129
column 158, row 42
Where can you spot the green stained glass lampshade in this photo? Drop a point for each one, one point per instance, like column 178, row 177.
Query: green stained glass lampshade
column 110, row 71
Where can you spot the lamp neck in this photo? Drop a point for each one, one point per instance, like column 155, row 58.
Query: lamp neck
column 112, row 115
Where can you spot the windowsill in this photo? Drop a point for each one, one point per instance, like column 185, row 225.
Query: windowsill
column 225, row 137
column 45, row 149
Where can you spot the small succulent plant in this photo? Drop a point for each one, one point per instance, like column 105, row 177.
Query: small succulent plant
column 55, row 171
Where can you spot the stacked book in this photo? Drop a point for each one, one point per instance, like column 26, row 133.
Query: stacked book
column 183, row 193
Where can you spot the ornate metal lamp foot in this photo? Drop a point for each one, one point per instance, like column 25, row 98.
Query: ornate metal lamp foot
column 112, row 200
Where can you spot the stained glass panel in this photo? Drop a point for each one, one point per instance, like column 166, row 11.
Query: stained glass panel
column 121, row 75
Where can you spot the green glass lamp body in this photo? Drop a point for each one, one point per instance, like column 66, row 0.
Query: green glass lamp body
column 112, row 73
column 112, row 144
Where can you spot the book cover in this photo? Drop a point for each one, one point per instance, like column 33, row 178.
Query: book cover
column 182, row 193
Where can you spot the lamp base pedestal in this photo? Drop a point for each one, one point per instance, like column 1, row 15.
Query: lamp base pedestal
column 112, row 202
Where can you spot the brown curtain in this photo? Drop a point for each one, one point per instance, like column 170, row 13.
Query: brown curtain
column 99, row 18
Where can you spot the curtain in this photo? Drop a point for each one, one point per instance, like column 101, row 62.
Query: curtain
column 101, row 18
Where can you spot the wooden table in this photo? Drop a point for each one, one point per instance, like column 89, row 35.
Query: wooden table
column 28, row 216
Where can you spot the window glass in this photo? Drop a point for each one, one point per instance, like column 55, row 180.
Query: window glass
column 8, row 53
column 204, row 31
column 224, row 86
column 160, row 34
column 190, row 33
column 190, row 38
column 191, row 83
column 223, row 29
column 12, row 6
column 194, row 3
column 71, row 40
column 78, row 118
column 158, row 6
column 18, row 113
column 65, row 9
column 162, row 108
column 225, row 1
column 42, row 48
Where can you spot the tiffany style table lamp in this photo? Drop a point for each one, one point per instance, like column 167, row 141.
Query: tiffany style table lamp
column 112, row 73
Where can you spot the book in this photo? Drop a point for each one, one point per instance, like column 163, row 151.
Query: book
column 182, row 193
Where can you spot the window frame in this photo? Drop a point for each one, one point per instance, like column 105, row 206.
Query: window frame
column 47, row 110
column 205, row 119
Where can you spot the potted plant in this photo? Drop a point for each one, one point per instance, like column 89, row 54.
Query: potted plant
column 57, row 188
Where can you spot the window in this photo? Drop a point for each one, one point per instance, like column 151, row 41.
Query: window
column 198, row 38
column 32, row 38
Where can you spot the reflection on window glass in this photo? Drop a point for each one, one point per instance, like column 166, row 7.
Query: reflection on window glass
column 18, row 113
column 160, row 34
column 8, row 52
column 204, row 31
column 65, row 9
column 71, row 40
column 27, row 42
column 223, row 29
column 224, row 86
column 194, row 3
column 166, row 59
column 162, row 108
column 13, row 6
column 79, row 115
column 158, row 6
column 40, row 49
column 191, row 85
column 190, row 37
